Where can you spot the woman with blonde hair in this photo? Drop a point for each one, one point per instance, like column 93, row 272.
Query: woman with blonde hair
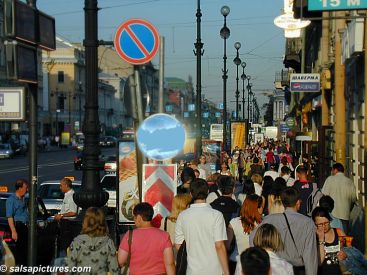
column 93, row 247
column 179, row 204
column 268, row 238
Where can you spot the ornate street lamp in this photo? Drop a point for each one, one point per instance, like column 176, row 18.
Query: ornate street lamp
column 198, row 52
column 91, row 193
column 251, row 98
column 248, row 97
column 243, row 77
column 80, row 90
column 237, row 62
column 225, row 33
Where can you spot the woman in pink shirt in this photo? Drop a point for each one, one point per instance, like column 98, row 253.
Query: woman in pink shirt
column 151, row 248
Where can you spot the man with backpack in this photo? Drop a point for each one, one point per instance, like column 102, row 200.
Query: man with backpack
column 309, row 192
column 225, row 203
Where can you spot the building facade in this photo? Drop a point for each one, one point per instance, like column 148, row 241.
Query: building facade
column 335, row 116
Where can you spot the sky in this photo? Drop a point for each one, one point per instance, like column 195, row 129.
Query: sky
column 250, row 23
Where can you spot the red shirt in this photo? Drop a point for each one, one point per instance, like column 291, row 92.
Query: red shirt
column 147, row 248
column 270, row 156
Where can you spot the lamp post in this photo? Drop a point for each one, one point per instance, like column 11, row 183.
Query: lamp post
column 237, row 62
column 248, row 97
column 57, row 122
column 91, row 193
column 243, row 77
column 251, row 98
column 198, row 53
column 80, row 90
column 225, row 33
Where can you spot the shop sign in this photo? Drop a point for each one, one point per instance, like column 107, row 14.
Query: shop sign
column 290, row 122
column 305, row 83
column 330, row 5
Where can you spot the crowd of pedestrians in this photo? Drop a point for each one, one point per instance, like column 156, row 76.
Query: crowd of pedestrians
column 260, row 212
column 262, row 206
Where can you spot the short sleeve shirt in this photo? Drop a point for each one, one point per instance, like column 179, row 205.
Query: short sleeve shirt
column 17, row 208
column 147, row 247
column 68, row 204
column 201, row 226
column 305, row 189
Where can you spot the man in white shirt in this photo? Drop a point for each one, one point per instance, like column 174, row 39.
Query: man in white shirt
column 285, row 173
column 68, row 211
column 272, row 172
column 203, row 229
column 342, row 190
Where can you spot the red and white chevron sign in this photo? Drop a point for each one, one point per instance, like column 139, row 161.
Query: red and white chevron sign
column 159, row 187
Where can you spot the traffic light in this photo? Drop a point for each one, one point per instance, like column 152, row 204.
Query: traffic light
column 25, row 29
column 21, row 61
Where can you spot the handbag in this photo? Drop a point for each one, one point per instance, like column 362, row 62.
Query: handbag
column 126, row 269
column 181, row 262
column 9, row 260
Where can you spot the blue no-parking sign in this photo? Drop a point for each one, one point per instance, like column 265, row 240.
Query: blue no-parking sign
column 136, row 41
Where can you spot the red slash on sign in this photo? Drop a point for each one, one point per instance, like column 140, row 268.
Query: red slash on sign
column 136, row 41
column 159, row 187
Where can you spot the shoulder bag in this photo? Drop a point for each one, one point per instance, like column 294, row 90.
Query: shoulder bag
column 126, row 269
column 181, row 262
column 296, row 269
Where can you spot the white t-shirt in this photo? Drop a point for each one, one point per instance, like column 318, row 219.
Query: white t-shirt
column 258, row 189
column 68, row 204
column 201, row 226
column 272, row 174
column 289, row 180
column 242, row 238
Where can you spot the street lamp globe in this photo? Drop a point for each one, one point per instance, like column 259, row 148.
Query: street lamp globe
column 237, row 61
column 237, row 45
column 225, row 11
column 248, row 77
column 243, row 64
column 225, row 32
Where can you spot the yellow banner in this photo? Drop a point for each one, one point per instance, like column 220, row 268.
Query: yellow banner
column 65, row 138
column 238, row 135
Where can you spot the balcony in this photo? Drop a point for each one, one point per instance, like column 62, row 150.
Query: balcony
column 292, row 58
column 283, row 77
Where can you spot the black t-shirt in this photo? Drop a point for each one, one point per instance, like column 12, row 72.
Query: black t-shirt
column 331, row 263
column 305, row 189
column 227, row 206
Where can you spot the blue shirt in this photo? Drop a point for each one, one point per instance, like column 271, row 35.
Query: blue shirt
column 16, row 208
column 336, row 223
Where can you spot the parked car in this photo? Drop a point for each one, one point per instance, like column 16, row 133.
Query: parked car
column 50, row 193
column 110, row 164
column 46, row 231
column 108, row 183
column 6, row 151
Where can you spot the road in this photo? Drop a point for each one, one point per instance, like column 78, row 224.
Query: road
column 51, row 166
